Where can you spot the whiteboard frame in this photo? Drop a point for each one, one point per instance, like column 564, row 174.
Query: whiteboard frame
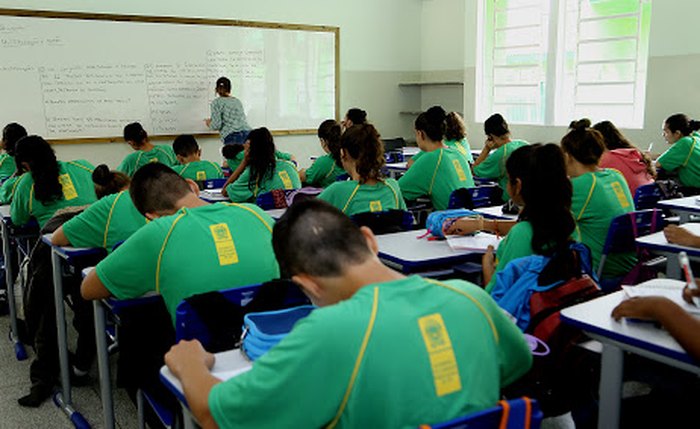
column 28, row 13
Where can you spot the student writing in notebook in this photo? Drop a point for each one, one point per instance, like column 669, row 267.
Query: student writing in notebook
column 683, row 157
column 367, row 357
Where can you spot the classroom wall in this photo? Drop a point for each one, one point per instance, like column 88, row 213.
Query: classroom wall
column 672, row 83
column 380, row 45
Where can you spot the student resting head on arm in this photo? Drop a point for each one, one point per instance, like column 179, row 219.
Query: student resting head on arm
column 190, row 156
column 362, row 155
column 326, row 168
column 441, row 170
column 107, row 222
column 599, row 195
column 683, row 156
column 144, row 151
column 373, row 338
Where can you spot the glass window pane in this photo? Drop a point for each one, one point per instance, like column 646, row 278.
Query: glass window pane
column 516, row 56
column 604, row 51
column 519, row 17
column 518, row 75
column 616, row 27
column 516, row 94
column 611, row 72
column 598, row 8
column 518, row 37
column 622, row 116
column 605, row 93
column 520, row 114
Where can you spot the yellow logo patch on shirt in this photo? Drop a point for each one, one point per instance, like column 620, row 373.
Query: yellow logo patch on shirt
column 201, row 175
column 69, row 191
column 442, row 357
column 285, row 179
column 375, row 206
column 620, row 194
column 459, row 170
column 153, row 160
column 224, row 244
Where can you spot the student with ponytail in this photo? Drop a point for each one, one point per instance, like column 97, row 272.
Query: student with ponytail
column 11, row 134
column 325, row 169
column 599, row 195
column 145, row 151
column 683, row 156
column 362, row 155
column 441, row 170
column 498, row 139
column 107, row 222
column 455, row 138
column 48, row 184
column 354, row 116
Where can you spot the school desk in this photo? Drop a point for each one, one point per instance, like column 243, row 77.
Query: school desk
column 75, row 257
column 684, row 207
column 657, row 244
column 227, row 365
column 645, row 339
column 276, row 213
column 407, row 253
column 212, row 195
column 16, row 243
column 395, row 169
column 496, row 212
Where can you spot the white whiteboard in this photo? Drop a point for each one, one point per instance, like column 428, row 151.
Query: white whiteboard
column 73, row 78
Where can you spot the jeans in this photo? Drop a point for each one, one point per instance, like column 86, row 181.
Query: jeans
column 236, row 137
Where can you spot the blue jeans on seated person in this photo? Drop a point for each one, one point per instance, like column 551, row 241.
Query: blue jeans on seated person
column 236, row 137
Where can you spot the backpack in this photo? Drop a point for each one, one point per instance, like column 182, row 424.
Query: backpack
column 438, row 221
column 283, row 198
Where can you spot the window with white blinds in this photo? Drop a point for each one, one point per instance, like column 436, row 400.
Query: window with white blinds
column 547, row 62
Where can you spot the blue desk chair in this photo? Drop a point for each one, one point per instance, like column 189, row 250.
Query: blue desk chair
column 474, row 198
column 622, row 235
column 385, row 222
column 522, row 413
column 646, row 196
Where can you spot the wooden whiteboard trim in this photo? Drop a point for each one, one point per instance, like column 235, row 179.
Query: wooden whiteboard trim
column 185, row 21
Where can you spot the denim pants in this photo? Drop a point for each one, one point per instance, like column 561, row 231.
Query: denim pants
column 236, row 137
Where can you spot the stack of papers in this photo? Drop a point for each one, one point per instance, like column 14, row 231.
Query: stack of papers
column 478, row 242
column 667, row 288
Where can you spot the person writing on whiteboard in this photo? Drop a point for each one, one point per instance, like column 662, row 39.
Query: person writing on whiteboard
column 145, row 151
column 227, row 115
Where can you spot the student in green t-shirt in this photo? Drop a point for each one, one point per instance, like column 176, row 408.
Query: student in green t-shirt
column 538, row 183
column 189, row 247
column 362, row 155
column 48, row 185
column 235, row 155
column 262, row 171
column 9, row 174
column 376, row 335
column 107, row 222
column 190, row 156
column 455, row 138
column 441, row 170
column 325, row 170
column 145, row 151
column 683, row 156
column 490, row 165
column 599, row 195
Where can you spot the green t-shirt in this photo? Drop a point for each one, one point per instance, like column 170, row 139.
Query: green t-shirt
column 78, row 190
column 323, row 172
column 160, row 153
column 199, row 170
column 197, row 250
column 7, row 190
column 403, row 352
column 597, row 199
column 684, row 156
column 352, row 198
column 494, row 167
column 516, row 244
column 7, row 166
column 461, row 146
column 233, row 163
column 285, row 176
column 436, row 175
column 105, row 223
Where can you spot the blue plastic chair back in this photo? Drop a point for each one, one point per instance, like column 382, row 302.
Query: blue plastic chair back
column 624, row 230
column 213, row 183
column 514, row 414
column 474, row 198
column 646, row 196
column 265, row 201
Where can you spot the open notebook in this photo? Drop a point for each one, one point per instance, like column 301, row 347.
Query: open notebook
column 667, row 288
column 478, row 242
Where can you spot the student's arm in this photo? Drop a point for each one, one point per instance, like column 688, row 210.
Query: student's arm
column 235, row 175
column 488, row 265
column 89, row 228
column 93, row 288
column 678, row 322
column 215, row 122
column 302, row 175
column 676, row 156
column 485, row 151
column 59, row 238
column 678, row 235
column 238, row 191
column 470, row 225
column 190, row 363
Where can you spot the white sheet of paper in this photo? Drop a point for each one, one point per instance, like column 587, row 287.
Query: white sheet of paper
column 478, row 242
column 671, row 289
column 225, row 375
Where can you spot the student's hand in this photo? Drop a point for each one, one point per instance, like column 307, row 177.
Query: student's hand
column 677, row 235
column 464, row 226
column 645, row 308
column 185, row 354
column 689, row 293
column 224, row 192
column 488, row 261
column 207, row 122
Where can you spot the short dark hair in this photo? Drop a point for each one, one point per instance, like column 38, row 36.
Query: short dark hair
column 682, row 122
column 10, row 135
column 315, row 238
column 185, row 145
column 155, row 187
column 496, row 125
column 223, row 84
column 108, row 181
column 134, row 132
column 432, row 123
column 357, row 116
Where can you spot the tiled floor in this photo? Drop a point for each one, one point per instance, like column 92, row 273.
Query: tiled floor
column 14, row 382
